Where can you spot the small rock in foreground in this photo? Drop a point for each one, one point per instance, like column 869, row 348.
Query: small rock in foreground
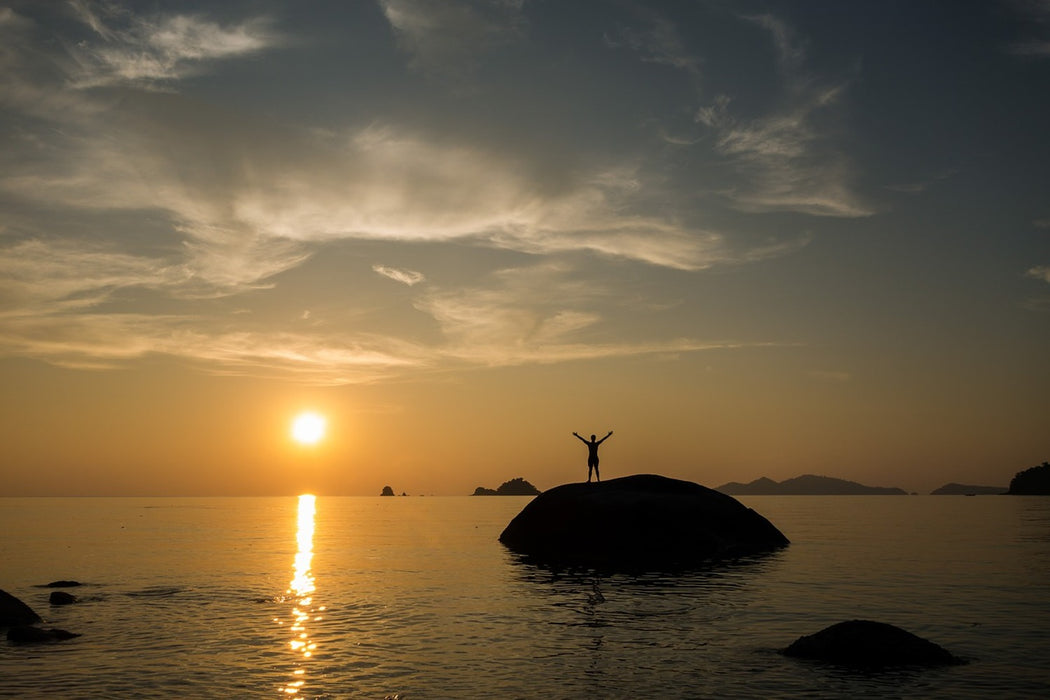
column 868, row 644
column 61, row 598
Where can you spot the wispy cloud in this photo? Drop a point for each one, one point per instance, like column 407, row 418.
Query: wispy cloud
column 538, row 314
column 408, row 277
column 785, row 162
column 446, row 40
column 657, row 41
column 1036, row 15
column 134, row 50
column 1040, row 272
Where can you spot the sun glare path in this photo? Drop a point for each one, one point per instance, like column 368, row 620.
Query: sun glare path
column 308, row 428
column 302, row 589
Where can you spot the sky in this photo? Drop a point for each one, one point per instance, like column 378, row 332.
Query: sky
column 751, row 238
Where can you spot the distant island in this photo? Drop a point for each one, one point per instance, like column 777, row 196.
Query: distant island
column 514, row 487
column 806, row 485
column 954, row 489
column 1032, row 482
column 388, row 491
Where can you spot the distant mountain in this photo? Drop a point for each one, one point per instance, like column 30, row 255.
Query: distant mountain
column 1032, row 482
column 806, row 485
column 514, row 487
column 954, row 489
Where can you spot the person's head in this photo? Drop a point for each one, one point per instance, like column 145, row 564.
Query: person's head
column 592, row 438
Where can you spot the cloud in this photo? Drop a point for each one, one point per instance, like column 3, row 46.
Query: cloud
column 1040, row 272
column 409, row 277
column 784, row 160
column 134, row 50
column 107, row 341
column 150, row 223
column 539, row 314
column 1036, row 17
column 447, row 39
column 659, row 42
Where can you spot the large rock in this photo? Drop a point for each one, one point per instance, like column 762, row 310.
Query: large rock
column 15, row 612
column 870, row 644
column 641, row 521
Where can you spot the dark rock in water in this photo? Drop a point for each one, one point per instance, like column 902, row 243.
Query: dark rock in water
column 387, row 491
column 27, row 634
column 61, row 598
column 15, row 612
column 864, row 643
column 62, row 584
column 641, row 521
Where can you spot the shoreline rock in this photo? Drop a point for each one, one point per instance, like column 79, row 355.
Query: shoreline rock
column 28, row 634
column 14, row 612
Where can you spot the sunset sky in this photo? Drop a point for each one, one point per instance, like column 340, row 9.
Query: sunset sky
column 753, row 239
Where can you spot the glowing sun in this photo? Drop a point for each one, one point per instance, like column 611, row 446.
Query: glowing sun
column 308, row 428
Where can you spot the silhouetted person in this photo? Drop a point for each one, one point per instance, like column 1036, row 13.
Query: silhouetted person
column 592, row 455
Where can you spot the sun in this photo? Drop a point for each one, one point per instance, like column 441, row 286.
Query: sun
column 308, row 428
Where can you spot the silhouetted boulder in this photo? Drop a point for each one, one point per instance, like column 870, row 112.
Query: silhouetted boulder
column 62, row 584
column 387, row 491
column 61, row 598
column 14, row 612
column 864, row 643
column 515, row 487
column 1032, row 482
column 27, row 634
column 641, row 521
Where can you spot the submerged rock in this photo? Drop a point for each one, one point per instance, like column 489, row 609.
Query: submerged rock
column 64, row 583
column 27, row 634
column 870, row 644
column 61, row 598
column 14, row 612
column 640, row 521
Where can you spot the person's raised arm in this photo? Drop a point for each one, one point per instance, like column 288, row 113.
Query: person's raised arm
column 605, row 438
column 578, row 437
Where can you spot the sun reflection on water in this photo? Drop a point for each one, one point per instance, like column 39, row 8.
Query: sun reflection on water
column 300, row 592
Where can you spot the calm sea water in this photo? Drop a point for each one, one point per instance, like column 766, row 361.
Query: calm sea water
column 415, row 598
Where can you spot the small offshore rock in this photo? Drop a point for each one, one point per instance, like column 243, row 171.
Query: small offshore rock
column 62, row 584
column 28, row 634
column 14, row 612
column 868, row 644
column 61, row 598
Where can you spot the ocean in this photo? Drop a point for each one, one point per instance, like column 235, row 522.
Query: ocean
column 414, row 597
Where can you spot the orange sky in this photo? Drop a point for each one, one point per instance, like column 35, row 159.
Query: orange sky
column 752, row 241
